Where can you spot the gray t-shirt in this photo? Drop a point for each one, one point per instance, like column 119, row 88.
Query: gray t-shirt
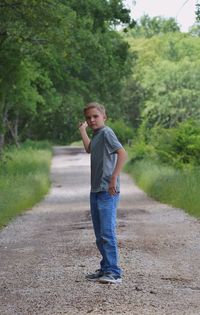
column 103, row 147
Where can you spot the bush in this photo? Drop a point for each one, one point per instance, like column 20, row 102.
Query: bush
column 124, row 133
column 178, row 147
column 139, row 150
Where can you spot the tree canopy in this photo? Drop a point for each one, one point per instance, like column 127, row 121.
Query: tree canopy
column 163, row 89
column 54, row 57
column 149, row 27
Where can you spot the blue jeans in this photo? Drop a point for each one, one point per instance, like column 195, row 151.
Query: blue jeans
column 103, row 212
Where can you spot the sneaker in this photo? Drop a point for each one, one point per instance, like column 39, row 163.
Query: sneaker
column 95, row 276
column 110, row 278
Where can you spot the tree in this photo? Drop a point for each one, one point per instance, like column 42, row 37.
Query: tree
column 148, row 27
column 195, row 29
column 167, row 74
column 197, row 12
column 28, row 32
column 175, row 96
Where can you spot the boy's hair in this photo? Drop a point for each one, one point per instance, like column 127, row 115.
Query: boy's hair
column 96, row 105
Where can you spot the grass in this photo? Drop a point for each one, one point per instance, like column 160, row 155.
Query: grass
column 24, row 178
column 77, row 144
column 179, row 188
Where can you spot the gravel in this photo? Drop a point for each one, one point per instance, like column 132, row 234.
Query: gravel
column 46, row 252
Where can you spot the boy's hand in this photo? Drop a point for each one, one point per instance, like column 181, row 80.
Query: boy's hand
column 83, row 125
column 112, row 186
column 84, row 135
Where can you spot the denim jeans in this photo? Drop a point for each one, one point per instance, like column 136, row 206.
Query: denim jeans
column 103, row 212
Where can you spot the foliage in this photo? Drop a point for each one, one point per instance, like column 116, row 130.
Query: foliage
column 195, row 29
column 197, row 11
column 149, row 27
column 140, row 150
column 175, row 96
column 123, row 131
column 178, row 147
column 166, row 72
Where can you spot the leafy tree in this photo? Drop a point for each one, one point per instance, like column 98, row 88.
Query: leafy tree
column 132, row 98
column 174, row 93
column 148, row 27
column 167, row 74
column 195, row 29
column 197, row 12
column 28, row 33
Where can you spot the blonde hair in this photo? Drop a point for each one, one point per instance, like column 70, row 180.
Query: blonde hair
column 96, row 105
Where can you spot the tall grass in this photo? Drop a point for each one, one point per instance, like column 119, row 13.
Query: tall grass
column 179, row 188
column 24, row 178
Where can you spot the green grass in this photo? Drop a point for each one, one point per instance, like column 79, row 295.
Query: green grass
column 77, row 144
column 179, row 188
column 24, row 178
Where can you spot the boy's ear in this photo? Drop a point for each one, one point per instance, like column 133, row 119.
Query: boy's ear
column 105, row 117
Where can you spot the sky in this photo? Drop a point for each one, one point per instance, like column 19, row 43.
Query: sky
column 182, row 10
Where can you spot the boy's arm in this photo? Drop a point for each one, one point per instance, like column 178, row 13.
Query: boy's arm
column 84, row 136
column 121, row 158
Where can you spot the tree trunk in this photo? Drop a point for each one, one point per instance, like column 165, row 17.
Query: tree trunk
column 13, row 127
column 1, row 144
column 16, row 138
column 3, row 117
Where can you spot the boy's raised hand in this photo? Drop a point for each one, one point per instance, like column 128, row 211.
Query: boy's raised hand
column 84, row 135
column 83, row 125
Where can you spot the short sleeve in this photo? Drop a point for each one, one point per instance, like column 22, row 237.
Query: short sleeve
column 111, row 141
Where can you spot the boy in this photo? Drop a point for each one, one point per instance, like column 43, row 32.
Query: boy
column 107, row 159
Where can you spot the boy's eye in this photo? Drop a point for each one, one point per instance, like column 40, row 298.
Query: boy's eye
column 89, row 117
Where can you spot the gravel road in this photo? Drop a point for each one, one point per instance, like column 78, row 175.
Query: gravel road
column 46, row 252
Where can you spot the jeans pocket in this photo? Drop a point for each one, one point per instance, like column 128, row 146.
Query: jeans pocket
column 104, row 195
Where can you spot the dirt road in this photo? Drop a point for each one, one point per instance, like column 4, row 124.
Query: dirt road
column 45, row 253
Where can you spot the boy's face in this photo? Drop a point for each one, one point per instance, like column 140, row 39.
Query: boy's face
column 95, row 119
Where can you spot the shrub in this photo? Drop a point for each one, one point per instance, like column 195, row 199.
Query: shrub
column 178, row 147
column 122, row 130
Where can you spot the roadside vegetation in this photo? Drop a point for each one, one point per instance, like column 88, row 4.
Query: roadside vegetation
column 179, row 188
column 164, row 158
column 24, row 178
column 165, row 164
